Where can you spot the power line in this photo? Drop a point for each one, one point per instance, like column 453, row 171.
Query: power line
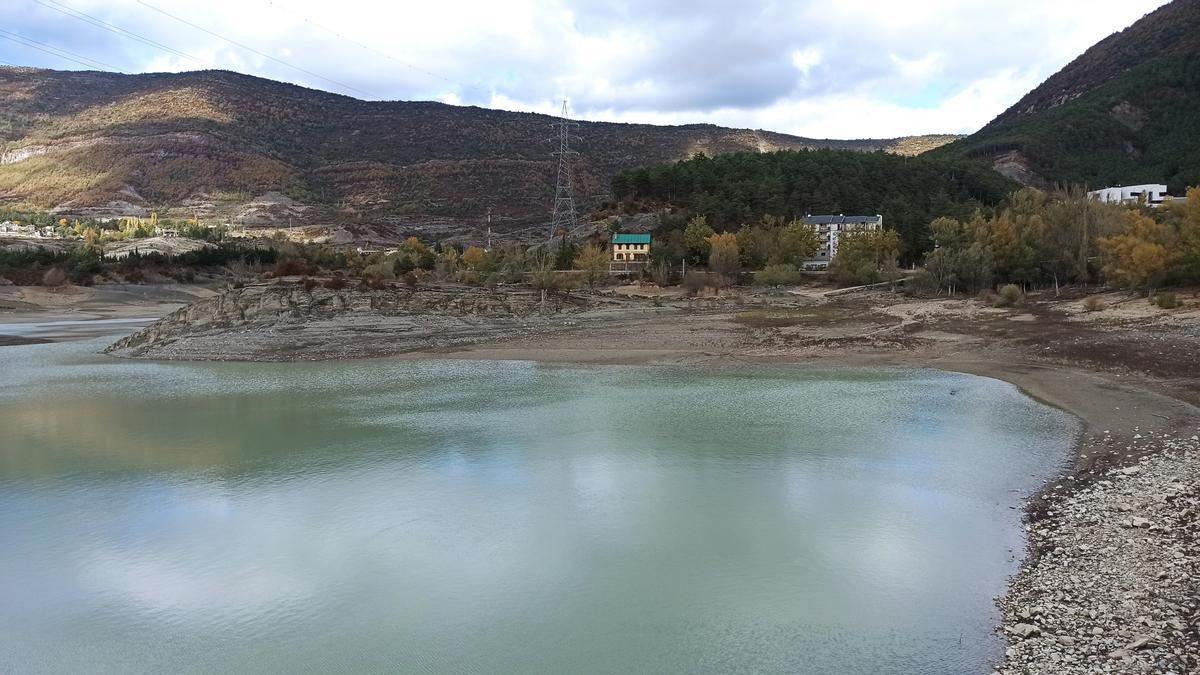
column 88, row 18
column 254, row 51
column 57, row 51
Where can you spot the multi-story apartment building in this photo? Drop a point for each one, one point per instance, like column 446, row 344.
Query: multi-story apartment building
column 830, row 228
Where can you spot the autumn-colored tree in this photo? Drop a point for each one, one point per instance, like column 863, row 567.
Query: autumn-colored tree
column 1140, row 255
column 748, row 251
column 472, row 257
column 1189, row 237
column 447, row 262
column 92, row 240
column 723, row 257
column 797, row 243
column 592, row 260
column 413, row 245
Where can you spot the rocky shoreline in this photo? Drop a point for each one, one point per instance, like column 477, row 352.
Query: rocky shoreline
column 293, row 322
column 1112, row 580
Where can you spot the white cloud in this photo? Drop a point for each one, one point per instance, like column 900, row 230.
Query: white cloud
column 804, row 59
column 854, row 68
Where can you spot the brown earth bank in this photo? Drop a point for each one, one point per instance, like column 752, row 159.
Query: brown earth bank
column 1110, row 580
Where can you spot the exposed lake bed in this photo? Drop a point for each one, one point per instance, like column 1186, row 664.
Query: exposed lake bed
column 508, row 516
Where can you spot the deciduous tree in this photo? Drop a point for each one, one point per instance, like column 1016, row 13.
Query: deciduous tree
column 472, row 257
column 797, row 242
column 592, row 260
column 723, row 256
column 1140, row 255
column 862, row 254
column 696, row 238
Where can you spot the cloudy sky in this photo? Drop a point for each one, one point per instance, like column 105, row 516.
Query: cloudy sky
column 820, row 68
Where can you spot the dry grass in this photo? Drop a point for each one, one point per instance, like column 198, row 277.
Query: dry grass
column 770, row 318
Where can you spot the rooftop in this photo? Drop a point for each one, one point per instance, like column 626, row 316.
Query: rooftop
column 623, row 238
column 841, row 219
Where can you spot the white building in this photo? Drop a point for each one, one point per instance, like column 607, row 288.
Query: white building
column 829, row 228
column 12, row 229
column 1153, row 194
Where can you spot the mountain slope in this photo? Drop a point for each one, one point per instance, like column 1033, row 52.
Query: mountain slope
column 1126, row 111
column 208, row 142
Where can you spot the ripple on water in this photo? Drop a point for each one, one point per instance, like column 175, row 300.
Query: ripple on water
column 507, row 516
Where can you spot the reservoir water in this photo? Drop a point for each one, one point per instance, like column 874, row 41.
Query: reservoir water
column 453, row 516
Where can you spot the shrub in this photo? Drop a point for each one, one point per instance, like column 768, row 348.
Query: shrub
column 695, row 282
column 55, row 276
column 854, row 273
column 1166, row 301
column 777, row 275
column 336, row 283
column 373, row 282
column 403, row 265
column 289, row 266
column 381, row 270
column 1093, row 303
column 566, row 281
column 660, row 273
column 1010, row 296
column 920, row 285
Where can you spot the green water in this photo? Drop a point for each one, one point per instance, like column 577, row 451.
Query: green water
column 506, row 517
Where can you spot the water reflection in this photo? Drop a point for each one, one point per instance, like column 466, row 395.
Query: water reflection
column 505, row 516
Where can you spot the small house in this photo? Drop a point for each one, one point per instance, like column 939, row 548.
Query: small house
column 630, row 247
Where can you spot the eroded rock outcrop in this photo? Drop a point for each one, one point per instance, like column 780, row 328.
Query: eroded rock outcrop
column 285, row 321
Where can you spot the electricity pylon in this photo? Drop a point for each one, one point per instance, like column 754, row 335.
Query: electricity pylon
column 564, row 219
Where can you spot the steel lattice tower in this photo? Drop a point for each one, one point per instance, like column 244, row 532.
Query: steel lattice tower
column 564, row 219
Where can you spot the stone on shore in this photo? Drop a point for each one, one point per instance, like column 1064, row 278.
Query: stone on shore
column 1114, row 592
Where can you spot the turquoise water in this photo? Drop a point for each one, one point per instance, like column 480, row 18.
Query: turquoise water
column 452, row 516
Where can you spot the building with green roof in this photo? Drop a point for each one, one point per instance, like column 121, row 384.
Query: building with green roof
column 630, row 247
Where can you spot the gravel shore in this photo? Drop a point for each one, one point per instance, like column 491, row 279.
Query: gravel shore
column 1112, row 582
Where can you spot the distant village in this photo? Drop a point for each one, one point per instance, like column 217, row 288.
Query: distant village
column 848, row 249
column 631, row 251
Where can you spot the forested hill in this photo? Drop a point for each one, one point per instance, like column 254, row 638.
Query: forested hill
column 741, row 188
column 1126, row 111
column 204, row 141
